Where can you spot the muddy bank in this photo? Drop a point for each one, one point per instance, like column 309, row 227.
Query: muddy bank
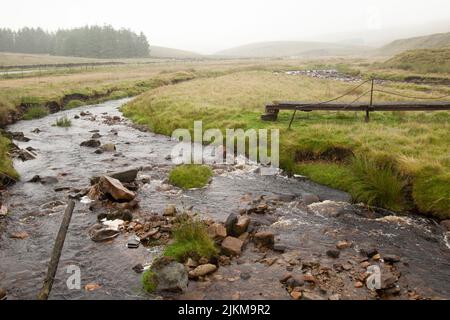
column 306, row 233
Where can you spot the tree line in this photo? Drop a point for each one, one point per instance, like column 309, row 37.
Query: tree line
column 89, row 41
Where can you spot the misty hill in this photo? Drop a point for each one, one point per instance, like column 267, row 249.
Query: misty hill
column 422, row 60
column 170, row 53
column 434, row 41
column 292, row 49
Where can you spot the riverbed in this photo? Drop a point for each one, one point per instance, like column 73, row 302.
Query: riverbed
column 302, row 230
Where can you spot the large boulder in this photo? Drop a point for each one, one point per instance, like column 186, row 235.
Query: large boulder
column 171, row 276
column 115, row 189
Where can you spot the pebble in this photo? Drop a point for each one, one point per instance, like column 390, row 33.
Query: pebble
column 376, row 257
column 202, row 270
column 359, row 284
column 296, row 295
column 92, row 286
column 343, row 245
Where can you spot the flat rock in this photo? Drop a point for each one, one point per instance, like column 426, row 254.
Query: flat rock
column 126, row 176
column 19, row 235
column 92, row 143
column 264, row 239
column 232, row 246
column 202, row 270
column 309, row 198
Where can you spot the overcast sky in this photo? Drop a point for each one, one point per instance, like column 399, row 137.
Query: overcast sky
column 210, row 25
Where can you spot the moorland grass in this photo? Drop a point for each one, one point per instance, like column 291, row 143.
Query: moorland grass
column 386, row 156
column 63, row 122
column 6, row 164
column 191, row 239
column 190, row 176
column 35, row 112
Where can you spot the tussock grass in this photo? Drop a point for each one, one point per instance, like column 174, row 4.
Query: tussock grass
column 190, row 176
column 35, row 112
column 149, row 281
column 63, row 122
column 191, row 239
column 373, row 161
column 74, row 104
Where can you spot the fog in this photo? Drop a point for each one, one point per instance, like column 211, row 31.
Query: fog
column 209, row 26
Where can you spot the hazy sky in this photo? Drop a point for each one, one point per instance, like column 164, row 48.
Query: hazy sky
column 209, row 25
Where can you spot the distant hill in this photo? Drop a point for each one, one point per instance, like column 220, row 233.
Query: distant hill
column 292, row 49
column 163, row 52
column 434, row 41
column 422, row 60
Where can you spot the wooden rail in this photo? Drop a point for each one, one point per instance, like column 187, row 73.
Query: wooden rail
column 273, row 109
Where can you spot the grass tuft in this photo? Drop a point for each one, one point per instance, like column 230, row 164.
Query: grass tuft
column 149, row 281
column 378, row 184
column 74, row 104
column 190, row 176
column 63, row 122
column 191, row 240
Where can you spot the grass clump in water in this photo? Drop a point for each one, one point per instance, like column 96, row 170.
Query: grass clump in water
column 35, row 112
column 191, row 240
column 149, row 281
column 63, row 122
column 190, row 176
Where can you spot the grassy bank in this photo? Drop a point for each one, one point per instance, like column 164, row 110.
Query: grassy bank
column 6, row 166
column 398, row 160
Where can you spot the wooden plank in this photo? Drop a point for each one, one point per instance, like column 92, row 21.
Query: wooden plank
column 334, row 106
column 56, row 253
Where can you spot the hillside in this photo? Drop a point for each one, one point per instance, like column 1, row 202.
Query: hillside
column 163, row 52
column 422, row 61
column 434, row 41
column 291, row 49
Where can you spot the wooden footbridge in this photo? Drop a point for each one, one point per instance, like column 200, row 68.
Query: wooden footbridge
column 273, row 109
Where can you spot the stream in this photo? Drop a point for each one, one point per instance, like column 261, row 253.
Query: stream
column 305, row 232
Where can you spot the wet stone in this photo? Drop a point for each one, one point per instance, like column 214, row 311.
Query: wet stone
column 333, row 253
column 92, row 143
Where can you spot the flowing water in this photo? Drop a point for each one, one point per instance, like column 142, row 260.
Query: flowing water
column 421, row 244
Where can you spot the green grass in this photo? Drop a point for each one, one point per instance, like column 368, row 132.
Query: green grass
column 190, row 176
column 35, row 112
column 63, row 122
column 74, row 104
column 375, row 162
column 191, row 239
column 6, row 164
column 149, row 281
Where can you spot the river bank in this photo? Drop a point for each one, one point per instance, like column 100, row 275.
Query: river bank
column 309, row 223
